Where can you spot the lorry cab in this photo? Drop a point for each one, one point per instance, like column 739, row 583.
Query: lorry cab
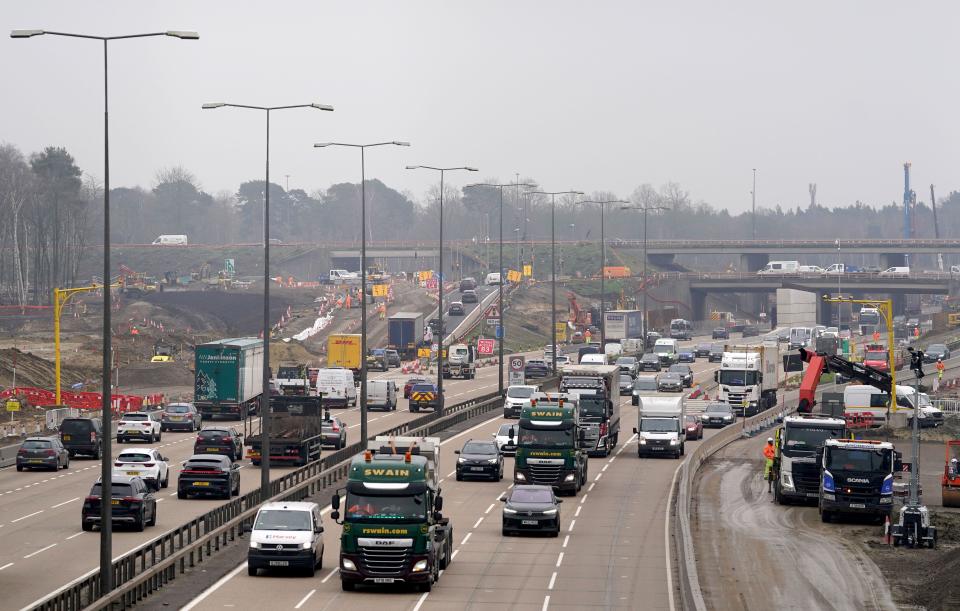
column 550, row 445
column 660, row 429
column 598, row 397
column 286, row 535
column 796, row 471
column 856, row 476
column 800, row 337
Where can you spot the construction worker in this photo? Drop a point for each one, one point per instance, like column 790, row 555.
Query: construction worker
column 953, row 469
column 876, row 336
column 768, row 454
column 916, row 332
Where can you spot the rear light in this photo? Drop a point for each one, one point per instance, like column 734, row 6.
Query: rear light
column 50, row 453
column 131, row 499
column 93, row 435
column 118, row 464
column 199, row 439
column 91, row 499
column 335, row 428
column 226, row 439
column 21, row 452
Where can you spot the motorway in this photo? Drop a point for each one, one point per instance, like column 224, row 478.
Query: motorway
column 612, row 551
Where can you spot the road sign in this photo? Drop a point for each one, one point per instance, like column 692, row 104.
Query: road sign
column 229, row 267
column 431, row 284
column 561, row 331
column 515, row 375
column 423, row 353
column 527, row 270
column 498, row 333
column 13, row 405
column 514, row 276
column 493, row 311
column 485, row 346
column 380, row 290
column 493, row 322
column 424, row 275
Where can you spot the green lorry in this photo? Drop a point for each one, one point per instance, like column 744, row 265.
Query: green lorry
column 550, row 440
column 393, row 531
column 228, row 377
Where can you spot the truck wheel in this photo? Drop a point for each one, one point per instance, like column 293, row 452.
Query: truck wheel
column 427, row 586
column 347, row 586
column 86, row 526
column 414, row 409
column 777, row 496
column 825, row 516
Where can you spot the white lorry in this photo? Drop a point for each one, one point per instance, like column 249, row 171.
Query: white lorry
column 661, row 426
column 747, row 378
column 342, row 276
column 460, row 362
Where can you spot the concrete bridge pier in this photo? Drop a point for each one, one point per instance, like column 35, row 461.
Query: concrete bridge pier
column 892, row 260
column 751, row 264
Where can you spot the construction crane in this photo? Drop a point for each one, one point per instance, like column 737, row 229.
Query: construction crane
column 819, row 362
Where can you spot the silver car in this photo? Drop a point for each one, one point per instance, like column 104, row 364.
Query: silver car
column 180, row 416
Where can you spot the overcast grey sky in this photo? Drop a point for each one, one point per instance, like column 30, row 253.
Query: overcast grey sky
column 601, row 95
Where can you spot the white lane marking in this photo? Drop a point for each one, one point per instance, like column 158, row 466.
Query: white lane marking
column 451, row 474
column 473, row 428
column 420, row 600
column 559, row 559
column 478, row 522
column 592, row 486
column 572, row 524
column 305, row 598
column 76, row 498
column 666, row 538
column 553, row 579
column 465, row 539
column 41, row 550
column 6, row 566
column 203, row 595
column 566, row 540
column 492, row 505
column 599, row 475
column 332, row 572
column 74, row 536
column 546, row 603
column 29, row 515
column 604, row 467
column 159, row 500
column 173, row 494
column 454, row 554
column 583, row 499
column 577, row 514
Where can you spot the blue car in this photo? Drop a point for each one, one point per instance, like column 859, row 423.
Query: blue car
column 687, row 356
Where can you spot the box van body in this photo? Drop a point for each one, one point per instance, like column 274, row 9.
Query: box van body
column 337, row 387
column 780, row 267
column 170, row 240
column 866, row 406
column 492, row 279
column 896, row 271
column 382, row 394
column 286, row 536
column 593, row 358
column 667, row 350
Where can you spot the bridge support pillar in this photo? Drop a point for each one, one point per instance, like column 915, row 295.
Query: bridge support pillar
column 749, row 264
column 698, row 303
column 753, row 262
column 660, row 261
column 824, row 312
column 899, row 304
column 892, row 260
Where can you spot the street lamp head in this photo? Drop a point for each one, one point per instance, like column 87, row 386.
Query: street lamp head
column 469, row 169
column 320, row 145
column 322, row 106
column 413, row 167
column 25, row 33
column 400, row 143
column 183, row 34
column 210, row 105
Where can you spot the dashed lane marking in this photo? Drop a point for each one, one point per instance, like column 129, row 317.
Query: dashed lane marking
column 39, row 551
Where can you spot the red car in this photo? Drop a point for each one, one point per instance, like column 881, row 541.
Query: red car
column 694, row 427
column 409, row 384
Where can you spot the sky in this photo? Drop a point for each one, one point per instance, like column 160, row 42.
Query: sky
column 593, row 96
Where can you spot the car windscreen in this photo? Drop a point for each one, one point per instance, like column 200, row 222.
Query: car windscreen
column 201, row 463
column 74, row 427
column 645, row 384
column 718, row 408
column 738, row 378
column 716, row 348
column 116, row 489
column 281, row 519
column 134, row 457
column 134, row 417
column 806, row 441
column 178, row 409
column 213, row 434
column 519, row 392
column 592, row 407
column 393, row 508
column 649, row 358
column 626, row 380
column 523, row 495
column 936, row 348
column 671, row 376
column 858, row 460
column 479, row 448
column 542, row 438
column 36, row 444
column 658, row 425
column 626, row 360
column 422, row 388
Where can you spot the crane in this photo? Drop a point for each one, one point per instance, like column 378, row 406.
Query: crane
column 818, row 362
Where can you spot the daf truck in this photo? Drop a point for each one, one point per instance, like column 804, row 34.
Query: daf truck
column 796, row 471
column 460, row 362
column 549, row 441
column 747, row 378
column 599, row 400
column 393, row 529
column 228, row 377
column 293, row 380
column 660, row 429
column 856, row 476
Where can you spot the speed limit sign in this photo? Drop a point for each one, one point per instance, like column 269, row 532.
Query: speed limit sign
column 516, row 370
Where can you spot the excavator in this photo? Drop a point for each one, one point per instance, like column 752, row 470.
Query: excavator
column 950, row 482
column 820, row 362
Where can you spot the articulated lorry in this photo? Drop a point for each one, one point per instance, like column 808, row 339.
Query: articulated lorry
column 405, row 333
column 856, row 476
column 550, row 445
column 747, row 378
column 460, row 362
column 228, row 377
column 296, row 435
column 393, row 529
column 599, row 401
column 795, row 467
column 343, row 350
column 661, row 427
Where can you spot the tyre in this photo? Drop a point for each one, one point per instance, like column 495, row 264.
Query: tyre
column 153, row 518
column 414, row 409
column 181, row 494
column 19, row 467
column 71, row 453
column 426, row 586
column 66, row 465
column 166, row 480
column 119, row 440
column 347, row 586
column 312, row 568
column 138, row 525
column 192, row 427
column 825, row 516
column 505, row 532
column 683, row 449
column 96, row 455
column 86, row 526
column 252, row 570
column 555, row 533
column 236, row 490
column 777, row 496
column 160, row 435
column 459, row 477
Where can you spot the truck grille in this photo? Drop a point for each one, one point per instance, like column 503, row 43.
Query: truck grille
column 545, row 474
column 385, row 562
column 268, row 549
column 806, row 477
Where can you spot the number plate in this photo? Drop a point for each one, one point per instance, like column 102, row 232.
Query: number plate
column 857, row 506
column 383, row 580
column 530, row 522
column 213, row 449
column 133, row 473
column 476, row 468
column 656, row 448
column 66, row 438
column 115, row 501
column 201, row 483
column 33, row 460
column 279, row 563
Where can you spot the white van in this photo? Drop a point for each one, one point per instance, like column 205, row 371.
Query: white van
column 492, row 279
column 286, row 536
column 667, row 349
column 867, row 406
column 170, row 240
column 382, row 394
column 896, row 271
column 780, row 267
column 800, row 337
column 594, row 358
column 337, row 386
column 810, row 269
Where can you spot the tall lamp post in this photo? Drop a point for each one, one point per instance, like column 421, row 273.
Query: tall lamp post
column 753, row 200
column 644, row 209
column 363, row 273
column 440, row 279
column 265, row 396
column 106, row 462
column 553, row 265
column 503, row 327
column 603, row 261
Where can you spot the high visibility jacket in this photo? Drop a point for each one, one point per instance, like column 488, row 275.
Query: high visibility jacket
column 768, row 451
column 940, row 366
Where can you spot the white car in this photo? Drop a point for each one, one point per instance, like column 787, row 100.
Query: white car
column 563, row 359
column 146, row 463
column 508, row 447
column 518, row 397
column 139, row 425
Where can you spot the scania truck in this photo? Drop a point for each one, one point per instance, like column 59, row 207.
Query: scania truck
column 796, row 471
column 747, row 378
column 599, row 401
column 393, row 529
column 550, row 446
column 856, row 476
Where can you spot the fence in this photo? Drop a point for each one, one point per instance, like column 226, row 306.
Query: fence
column 146, row 569
column 949, row 407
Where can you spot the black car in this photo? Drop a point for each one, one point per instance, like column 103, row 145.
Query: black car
column 650, row 362
column 468, row 296
column 42, row 453
column 480, row 459
column 209, row 475
column 224, row 440
column 750, row 331
column 529, row 508
column 702, row 351
column 468, row 284
column 651, row 339
column 82, row 436
column 670, row 382
column 626, row 383
column 934, row 352
column 720, row 333
column 686, row 356
column 455, row 309
column 183, row 416
column 716, row 353
column 425, row 396
column 434, row 325
column 334, row 432
column 132, row 502
column 718, row 414
column 535, row 368
column 685, row 372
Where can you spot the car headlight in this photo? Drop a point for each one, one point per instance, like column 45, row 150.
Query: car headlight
column 520, row 477
column 728, row 417
column 420, row 565
column 829, row 496
column 347, row 564
column 674, row 442
column 493, row 461
column 509, row 512
column 306, row 545
column 550, row 512
column 642, row 441
column 568, row 478
column 254, row 545
column 461, row 460
column 885, row 500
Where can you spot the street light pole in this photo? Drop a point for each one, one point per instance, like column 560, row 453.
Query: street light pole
column 503, row 327
column 644, row 209
column 106, row 403
column 753, row 197
column 439, row 412
column 363, row 274
column 553, row 267
column 265, row 372
column 603, row 262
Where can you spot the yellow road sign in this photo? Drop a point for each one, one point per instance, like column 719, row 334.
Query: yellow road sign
column 380, row 290
column 513, row 275
column 425, row 275
column 13, row 405
column 423, row 353
column 527, row 270
column 561, row 331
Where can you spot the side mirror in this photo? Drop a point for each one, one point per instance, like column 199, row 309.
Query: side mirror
column 458, row 451
column 438, row 504
column 510, row 434
column 335, row 515
column 234, row 466
column 635, row 431
column 559, row 501
column 335, row 502
column 318, row 529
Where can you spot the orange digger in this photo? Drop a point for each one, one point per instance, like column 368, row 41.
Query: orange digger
column 950, row 482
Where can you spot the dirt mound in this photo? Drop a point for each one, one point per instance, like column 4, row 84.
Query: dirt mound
column 36, row 371
column 142, row 375
column 233, row 313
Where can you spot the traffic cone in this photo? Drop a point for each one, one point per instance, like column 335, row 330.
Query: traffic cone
column 886, row 529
